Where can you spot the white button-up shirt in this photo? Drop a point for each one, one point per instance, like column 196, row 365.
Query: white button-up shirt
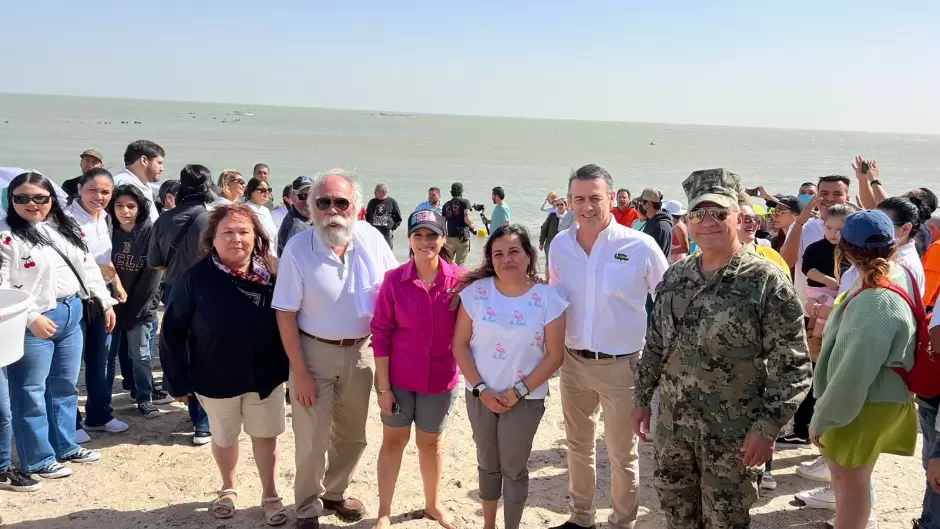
column 608, row 288
column 126, row 177
column 96, row 233
column 313, row 282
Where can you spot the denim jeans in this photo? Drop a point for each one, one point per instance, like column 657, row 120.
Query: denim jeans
column 196, row 413
column 6, row 427
column 135, row 343
column 98, row 380
column 44, row 392
column 930, row 517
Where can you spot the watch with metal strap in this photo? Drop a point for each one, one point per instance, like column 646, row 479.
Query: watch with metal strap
column 479, row 389
column 521, row 389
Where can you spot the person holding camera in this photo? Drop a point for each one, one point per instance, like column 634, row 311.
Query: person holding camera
column 459, row 224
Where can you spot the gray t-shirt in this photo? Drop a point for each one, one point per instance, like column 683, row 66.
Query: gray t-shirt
column 294, row 222
column 166, row 229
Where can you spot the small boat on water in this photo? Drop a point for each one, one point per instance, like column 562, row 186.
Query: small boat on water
column 244, row 112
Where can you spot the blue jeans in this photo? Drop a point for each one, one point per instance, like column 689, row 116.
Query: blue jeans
column 196, row 413
column 6, row 426
column 135, row 343
column 930, row 517
column 98, row 378
column 44, row 392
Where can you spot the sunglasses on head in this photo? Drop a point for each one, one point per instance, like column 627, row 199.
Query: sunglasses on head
column 698, row 215
column 324, row 203
column 35, row 199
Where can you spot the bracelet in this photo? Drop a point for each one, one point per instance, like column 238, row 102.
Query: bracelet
column 381, row 392
column 875, row 182
column 800, row 223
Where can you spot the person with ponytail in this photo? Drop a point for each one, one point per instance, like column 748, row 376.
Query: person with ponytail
column 43, row 253
column 863, row 408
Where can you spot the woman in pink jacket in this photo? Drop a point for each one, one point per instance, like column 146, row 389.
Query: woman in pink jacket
column 415, row 370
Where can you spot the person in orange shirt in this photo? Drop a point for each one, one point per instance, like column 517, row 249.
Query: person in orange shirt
column 623, row 213
column 931, row 262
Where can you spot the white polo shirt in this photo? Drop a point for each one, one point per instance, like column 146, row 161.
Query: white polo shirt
column 313, row 282
column 126, row 177
column 607, row 289
column 814, row 230
column 96, row 233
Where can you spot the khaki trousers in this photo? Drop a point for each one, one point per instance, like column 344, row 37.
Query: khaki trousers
column 587, row 385
column 330, row 436
column 458, row 249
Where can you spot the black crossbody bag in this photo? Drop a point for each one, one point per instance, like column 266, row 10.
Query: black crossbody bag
column 92, row 307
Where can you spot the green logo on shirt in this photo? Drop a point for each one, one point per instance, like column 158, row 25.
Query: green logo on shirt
column 621, row 257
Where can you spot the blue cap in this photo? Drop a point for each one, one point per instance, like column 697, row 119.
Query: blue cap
column 862, row 226
column 301, row 182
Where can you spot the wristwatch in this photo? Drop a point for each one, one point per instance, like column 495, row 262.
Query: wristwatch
column 875, row 182
column 478, row 389
column 521, row 389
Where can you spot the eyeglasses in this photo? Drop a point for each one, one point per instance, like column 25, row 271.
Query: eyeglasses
column 698, row 215
column 324, row 203
column 238, row 181
column 263, row 190
column 35, row 199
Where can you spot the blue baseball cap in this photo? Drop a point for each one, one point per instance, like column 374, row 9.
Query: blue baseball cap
column 869, row 229
column 301, row 182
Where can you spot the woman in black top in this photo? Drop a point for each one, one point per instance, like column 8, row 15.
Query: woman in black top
column 220, row 342
column 130, row 240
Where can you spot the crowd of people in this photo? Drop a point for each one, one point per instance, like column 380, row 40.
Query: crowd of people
column 716, row 330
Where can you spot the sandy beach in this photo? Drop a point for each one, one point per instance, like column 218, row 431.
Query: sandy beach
column 152, row 477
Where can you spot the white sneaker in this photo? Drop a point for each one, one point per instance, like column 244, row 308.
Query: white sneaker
column 768, row 482
column 113, row 426
column 815, row 470
column 821, row 498
column 872, row 523
column 81, row 437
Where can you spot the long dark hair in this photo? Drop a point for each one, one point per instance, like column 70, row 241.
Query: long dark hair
column 195, row 184
column 143, row 205
column 262, row 247
column 486, row 269
column 25, row 230
column 907, row 209
column 253, row 184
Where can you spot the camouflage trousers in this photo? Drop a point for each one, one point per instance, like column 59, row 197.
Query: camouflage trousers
column 702, row 483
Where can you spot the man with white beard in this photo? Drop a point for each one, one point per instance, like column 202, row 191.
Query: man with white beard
column 327, row 283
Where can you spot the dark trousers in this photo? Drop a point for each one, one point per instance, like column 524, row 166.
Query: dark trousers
column 804, row 414
column 97, row 354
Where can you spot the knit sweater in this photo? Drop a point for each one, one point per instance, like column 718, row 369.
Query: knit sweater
column 865, row 336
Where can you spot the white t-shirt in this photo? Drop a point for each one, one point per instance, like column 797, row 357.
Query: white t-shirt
column 508, row 339
column 907, row 256
column 264, row 216
column 814, row 230
column 96, row 233
column 278, row 215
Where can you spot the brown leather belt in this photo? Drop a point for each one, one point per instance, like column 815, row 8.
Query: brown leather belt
column 345, row 342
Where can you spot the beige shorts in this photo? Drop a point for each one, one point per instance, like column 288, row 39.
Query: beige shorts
column 262, row 418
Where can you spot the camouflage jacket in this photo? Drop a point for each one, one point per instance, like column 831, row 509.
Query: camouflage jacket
column 729, row 351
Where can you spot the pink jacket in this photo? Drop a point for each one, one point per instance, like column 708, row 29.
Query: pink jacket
column 414, row 327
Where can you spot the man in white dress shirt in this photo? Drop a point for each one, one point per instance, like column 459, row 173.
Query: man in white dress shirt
column 143, row 165
column 606, row 270
column 328, row 279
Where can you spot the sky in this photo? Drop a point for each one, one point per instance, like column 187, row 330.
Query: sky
column 822, row 64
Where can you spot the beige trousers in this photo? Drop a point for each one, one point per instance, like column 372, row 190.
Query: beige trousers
column 588, row 385
column 330, row 437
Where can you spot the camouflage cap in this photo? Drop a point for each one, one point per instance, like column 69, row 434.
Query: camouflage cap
column 93, row 153
column 712, row 185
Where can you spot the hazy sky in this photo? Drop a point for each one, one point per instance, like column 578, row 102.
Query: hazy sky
column 859, row 65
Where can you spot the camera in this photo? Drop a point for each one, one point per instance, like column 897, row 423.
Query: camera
column 478, row 207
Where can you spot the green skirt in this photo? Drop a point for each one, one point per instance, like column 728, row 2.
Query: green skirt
column 880, row 428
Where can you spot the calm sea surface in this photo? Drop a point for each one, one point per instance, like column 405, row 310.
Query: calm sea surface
column 527, row 157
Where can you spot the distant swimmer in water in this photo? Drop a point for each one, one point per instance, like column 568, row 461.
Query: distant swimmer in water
column 651, row 143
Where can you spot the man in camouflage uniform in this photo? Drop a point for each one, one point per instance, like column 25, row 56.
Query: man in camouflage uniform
column 727, row 350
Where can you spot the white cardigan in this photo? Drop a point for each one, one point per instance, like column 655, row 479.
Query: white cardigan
column 27, row 267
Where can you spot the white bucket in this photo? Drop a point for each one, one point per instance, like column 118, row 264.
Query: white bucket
column 13, row 305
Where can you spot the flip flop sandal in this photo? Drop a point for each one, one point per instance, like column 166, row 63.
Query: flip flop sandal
column 223, row 510
column 275, row 518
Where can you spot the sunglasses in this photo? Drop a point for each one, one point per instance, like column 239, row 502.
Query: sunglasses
column 302, row 197
column 698, row 215
column 264, row 190
column 324, row 203
column 238, row 181
column 752, row 219
column 35, row 199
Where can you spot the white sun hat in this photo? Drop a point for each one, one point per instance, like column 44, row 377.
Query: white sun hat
column 674, row 208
